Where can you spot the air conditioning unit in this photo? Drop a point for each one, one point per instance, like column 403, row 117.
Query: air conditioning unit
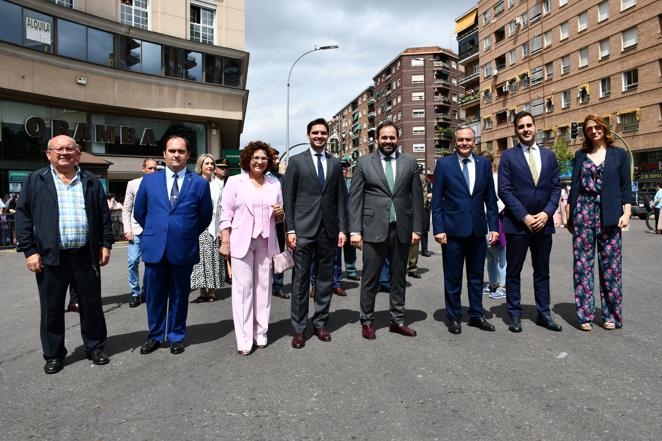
column 504, row 89
column 518, row 21
column 495, row 73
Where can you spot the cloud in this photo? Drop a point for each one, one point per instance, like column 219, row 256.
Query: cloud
column 370, row 34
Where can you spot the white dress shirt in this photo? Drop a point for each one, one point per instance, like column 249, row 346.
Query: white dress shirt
column 471, row 166
column 170, row 179
column 313, row 152
column 393, row 162
column 535, row 150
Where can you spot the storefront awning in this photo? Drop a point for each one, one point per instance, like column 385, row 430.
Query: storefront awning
column 466, row 21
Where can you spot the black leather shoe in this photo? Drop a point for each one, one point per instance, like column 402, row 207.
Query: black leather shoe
column 546, row 321
column 384, row 288
column 53, row 366
column 426, row 254
column 135, row 301
column 177, row 348
column 414, row 275
column 515, row 324
column 481, row 323
column 98, row 357
column 142, row 298
column 454, row 327
column 150, row 346
column 353, row 277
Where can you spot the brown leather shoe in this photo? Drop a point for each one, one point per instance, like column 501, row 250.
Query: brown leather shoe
column 402, row 330
column 73, row 307
column 298, row 341
column 368, row 332
column 322, row 334
column 340, row 291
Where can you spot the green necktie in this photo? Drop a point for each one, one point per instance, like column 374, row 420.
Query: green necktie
column 391, row 182
column 532, row 166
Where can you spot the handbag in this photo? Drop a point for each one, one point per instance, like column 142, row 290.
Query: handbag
column 284, row 260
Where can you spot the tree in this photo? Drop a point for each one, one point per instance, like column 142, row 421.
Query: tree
column 563, row 156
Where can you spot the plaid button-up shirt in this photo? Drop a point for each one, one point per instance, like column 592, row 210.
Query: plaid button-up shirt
column 73, row 218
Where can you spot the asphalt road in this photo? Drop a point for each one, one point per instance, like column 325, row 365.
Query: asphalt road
column 486, row 386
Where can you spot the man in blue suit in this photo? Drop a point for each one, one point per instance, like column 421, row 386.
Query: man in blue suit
column 463, row 192
column 530, row 188
column 173, row 206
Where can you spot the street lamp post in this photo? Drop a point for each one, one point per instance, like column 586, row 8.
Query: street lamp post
column 287, row 123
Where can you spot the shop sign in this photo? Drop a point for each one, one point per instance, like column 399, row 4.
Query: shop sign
column 38, row 30
column 233, row 156
column 35, row 127
column 650, row 176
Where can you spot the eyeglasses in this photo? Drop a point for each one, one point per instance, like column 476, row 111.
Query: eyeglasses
column 61, row 150
column 260, row 158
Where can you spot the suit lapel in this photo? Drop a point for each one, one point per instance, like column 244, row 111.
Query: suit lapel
column 245, row 195
column 308, row 163
column 524, row 166
column 400, row 172
column 330, row 169
column 379, row 170
column 478, row 176
column 186, row 183
column 459, row 174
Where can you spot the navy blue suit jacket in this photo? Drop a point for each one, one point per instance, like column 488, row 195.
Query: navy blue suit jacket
column 616, row 184
column 172, row 232
column 521, row 196
column 457, row 212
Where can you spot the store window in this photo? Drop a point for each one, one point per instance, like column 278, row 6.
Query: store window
column 71, row 40
column 11, row 29
column 38, row 33
column 100, row 47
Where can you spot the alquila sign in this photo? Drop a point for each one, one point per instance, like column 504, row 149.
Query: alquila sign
column 35, row 127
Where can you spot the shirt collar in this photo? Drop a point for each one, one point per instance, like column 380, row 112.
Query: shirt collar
column 461, row 158
column 393, row 155
column 171, row 174
column 534, row 147
column 77, row 176
column 314, row 152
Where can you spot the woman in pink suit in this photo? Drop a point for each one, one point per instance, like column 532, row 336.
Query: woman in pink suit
column 250, row 208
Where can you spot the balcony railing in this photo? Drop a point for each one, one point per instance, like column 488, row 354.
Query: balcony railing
column 441, row 99
column 442, row 116
column 469, row 98
column 442, row 82
column 467, row 53
column 471, row 76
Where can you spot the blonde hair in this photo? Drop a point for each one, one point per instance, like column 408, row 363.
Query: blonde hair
column 201, row 160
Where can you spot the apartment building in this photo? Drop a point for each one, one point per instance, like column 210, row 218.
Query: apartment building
column 120, row 76
column 419, row 91
column 466, row 29
column 353, row 128
column 564, row 59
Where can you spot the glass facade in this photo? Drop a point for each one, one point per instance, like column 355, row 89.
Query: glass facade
column 26, row 128
column 44, row 33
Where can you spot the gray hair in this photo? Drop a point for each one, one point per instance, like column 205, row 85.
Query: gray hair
column 463, row 127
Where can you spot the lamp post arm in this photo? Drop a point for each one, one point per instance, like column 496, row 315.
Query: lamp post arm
column 627, row 147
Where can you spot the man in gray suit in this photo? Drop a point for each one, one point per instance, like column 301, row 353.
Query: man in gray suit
column 315, row 218
column 385, row 206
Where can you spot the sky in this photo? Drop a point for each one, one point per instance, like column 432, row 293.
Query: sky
column 369, row 34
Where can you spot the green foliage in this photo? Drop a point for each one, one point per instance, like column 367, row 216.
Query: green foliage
column 563, row 155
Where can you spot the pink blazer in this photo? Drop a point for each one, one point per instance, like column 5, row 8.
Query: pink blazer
column 237, row 212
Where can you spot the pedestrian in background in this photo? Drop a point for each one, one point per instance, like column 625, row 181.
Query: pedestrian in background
column 656, row 204
column 278, row 278
column 133, row 233
column 495, row 287
column 250, row 208
column 63, row 228
column 208, row 274
column 412, row 258
column 600, row 207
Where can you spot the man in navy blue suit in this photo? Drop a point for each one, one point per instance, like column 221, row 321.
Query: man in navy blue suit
column 463, row 192
column 530, row 188
column 173, row 206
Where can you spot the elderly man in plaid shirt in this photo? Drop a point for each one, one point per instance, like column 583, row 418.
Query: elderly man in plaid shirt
column 63, row 227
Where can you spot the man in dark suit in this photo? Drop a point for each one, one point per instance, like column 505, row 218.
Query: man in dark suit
column 316, row 224
column 463, row 192
column 385, row 218
column 530, row 188
column 63, row 227
column 173, row 207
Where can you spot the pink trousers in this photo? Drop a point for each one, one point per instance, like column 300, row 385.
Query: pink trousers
column 251, row 295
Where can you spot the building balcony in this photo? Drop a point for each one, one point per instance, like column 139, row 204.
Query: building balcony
column 467, row 99
column 443, row 136
column 468, row 78
column 371, row 114
column 356, row 127
column 442, row 116
column 441, row 82
column 462, row 56
column 441, row 99
column 371, row 129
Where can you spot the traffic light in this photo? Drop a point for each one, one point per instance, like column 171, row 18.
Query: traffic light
column 573, row 129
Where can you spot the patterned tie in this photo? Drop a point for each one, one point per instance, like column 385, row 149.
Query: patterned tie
column 320, row 171
column 533, row 167
column 390, row 180
column 174, row 192
column 465, row 172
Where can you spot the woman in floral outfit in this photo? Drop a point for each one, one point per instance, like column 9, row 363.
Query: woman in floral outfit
column 600, row 206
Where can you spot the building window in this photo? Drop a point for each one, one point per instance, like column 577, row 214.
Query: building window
column 603, row 11
column 417, row 79
column 135, row 13
column 524, row 80
column 418, row 96
column 549, row 71
column 525, row 50
column 626, row 4
column 486, row 17
column 498, row 8
column 487, row 96
column 418, row 147
column 487, row 123
column 534, row 13
column 547, row 38
column 512, row 28
column 546, row 6
column 582, row 21
column 417, row 62
column 202, row 25
column 564, row 30
column 418, row 113
column 536, row 75
column 563, row 133
column 630, row 79
column 537, row 107
column 563, row 3
column 71, row 40
column 629, row 38
column 565, row 64
column 487, row 44
column 487, row 70
column 512, row 57
column 604, row 49
column 630, row 121
column 66, row 3
column 583, row 57
column 536, row 44
column 582, row 94
column 565, row 99
column 418, row 130
column 549, row 104
column 511, row 3
column 605, row 87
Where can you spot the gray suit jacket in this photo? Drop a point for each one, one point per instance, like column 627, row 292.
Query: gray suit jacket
column 369, row 198
column 306, row 205
column 130, row 224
